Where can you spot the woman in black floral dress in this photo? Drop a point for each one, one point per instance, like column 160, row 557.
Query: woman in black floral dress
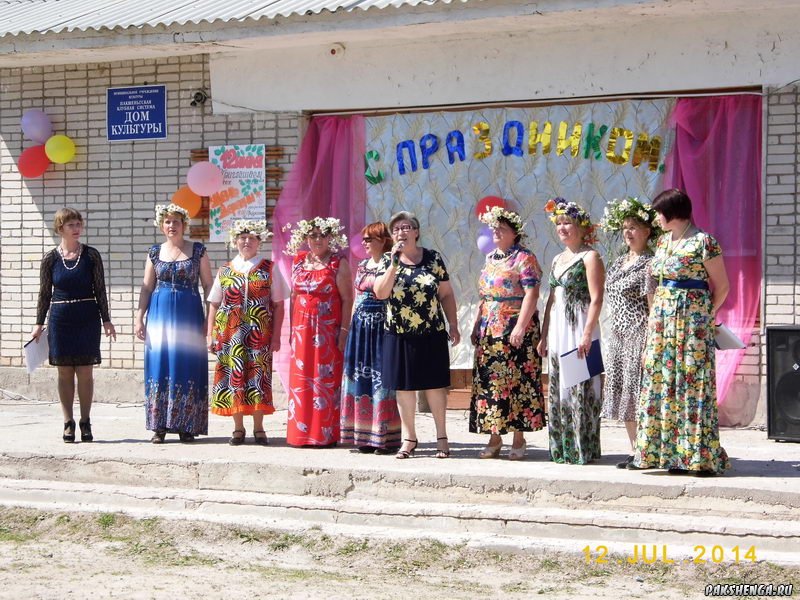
column 415, row 352
column 72, row 288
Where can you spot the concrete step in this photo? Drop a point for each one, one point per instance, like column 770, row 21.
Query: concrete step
column 521, row 527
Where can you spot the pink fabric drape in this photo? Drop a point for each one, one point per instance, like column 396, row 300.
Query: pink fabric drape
column 717, row 161
column 326, row 181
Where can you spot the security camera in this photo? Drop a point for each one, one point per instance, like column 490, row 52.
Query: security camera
column 199, row 97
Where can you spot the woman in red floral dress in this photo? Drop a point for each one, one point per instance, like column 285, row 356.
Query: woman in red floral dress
column 322, row 298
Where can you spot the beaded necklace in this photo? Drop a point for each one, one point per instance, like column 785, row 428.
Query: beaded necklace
column 77, row 260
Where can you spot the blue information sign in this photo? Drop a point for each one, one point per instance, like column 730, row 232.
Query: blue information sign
column 136, row 113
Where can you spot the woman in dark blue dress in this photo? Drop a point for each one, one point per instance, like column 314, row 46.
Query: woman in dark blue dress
column 171, row 322
column 72, row 288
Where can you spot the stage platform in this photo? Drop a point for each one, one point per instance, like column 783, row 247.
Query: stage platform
column 533, row 505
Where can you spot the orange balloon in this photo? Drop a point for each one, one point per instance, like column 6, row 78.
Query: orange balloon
column 186, row 198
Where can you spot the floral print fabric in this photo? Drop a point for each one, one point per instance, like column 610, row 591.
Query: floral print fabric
column 315, row 369
column 242, row 335
column 677, row 415
column 414, row 307
column 369, row 410
column 573, row 412
column 506, row 381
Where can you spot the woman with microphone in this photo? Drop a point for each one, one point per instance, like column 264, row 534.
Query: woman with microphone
column 415, row 352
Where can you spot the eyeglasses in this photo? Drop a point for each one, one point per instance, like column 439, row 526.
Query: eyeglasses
column 403, row 228
column 317, row 236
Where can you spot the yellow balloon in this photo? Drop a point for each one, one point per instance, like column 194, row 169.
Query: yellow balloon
column 60, row 149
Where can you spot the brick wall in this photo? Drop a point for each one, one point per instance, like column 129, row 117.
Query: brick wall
column 115, row 186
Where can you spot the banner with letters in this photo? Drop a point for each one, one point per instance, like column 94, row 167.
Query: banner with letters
column 439, row 165
column 242, row 195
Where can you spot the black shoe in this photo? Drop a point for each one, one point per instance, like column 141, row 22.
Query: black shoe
column 261, row 440
column 158, row 437
column 624, row 464
column 86, row 430
column 367, row 449
column 185, row 437
column 632, row 467
column 703, row 473
column 677, row 471
column 387, row 450
column 69, row 432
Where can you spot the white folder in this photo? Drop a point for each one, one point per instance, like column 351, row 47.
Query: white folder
column 36, row 353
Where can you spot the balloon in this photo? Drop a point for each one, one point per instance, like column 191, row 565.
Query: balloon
column 485, row 240
column 488, row 202
column 36, row 126
column 33, row 162
column 186, row 198
column 204, row 179
column 60, row 149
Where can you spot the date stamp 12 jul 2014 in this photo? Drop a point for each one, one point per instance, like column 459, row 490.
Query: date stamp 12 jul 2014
column 649, row 554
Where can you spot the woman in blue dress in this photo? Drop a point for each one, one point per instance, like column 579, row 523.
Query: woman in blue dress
column 72, row 288
column 171, row 323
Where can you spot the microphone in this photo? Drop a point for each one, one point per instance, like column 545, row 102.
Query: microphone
column 396, row 254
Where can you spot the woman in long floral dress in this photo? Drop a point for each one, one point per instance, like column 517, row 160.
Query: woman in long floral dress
column 322, row 297
column 507, row 377
column 244, row 322
column 570, row 321
column 370, row 419
column 170, row 321
column 677, row 419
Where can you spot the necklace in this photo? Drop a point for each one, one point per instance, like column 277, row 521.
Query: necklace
column 500, row 255
column 175, row 253
column 671, row 249
column 314, row 260
column 61, row 253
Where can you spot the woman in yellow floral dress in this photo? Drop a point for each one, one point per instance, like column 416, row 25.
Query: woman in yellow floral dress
column 677, row 417
column 507, row 377
column 415, row 352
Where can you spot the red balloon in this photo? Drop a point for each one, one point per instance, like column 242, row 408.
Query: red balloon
column 488, row 202
column 33, row 162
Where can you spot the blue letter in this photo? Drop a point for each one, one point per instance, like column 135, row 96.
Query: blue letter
column 517, row 149
column 428, row 145
column 412, row 155
column 455, row 145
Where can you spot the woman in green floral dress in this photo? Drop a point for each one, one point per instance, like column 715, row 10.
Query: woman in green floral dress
column 570, row 321
column 677, row 417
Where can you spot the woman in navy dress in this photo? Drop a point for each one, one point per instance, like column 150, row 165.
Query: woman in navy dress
column 72, row 288
column 171, row 323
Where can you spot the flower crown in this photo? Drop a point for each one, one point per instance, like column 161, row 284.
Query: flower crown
column 331, row 226
column 162, row 210
column 617, row 211
column 559, row 207
column 257, row 228
column 492, row 218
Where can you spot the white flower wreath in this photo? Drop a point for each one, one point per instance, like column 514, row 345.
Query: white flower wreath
column 617, row 211
column 331, row 226
column 492, row 218
column 257, row 228
column 162, row 210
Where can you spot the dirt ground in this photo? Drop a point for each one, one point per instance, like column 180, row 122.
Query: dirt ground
column 50, row 555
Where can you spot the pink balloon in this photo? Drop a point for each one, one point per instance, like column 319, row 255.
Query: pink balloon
column 204, row 179
column 36, row 126
column 485, row 240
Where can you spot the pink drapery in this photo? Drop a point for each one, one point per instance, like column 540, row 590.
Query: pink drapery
column 717, row 161
column 327, row 180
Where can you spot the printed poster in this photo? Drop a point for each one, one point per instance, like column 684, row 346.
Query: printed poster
column 243, row 188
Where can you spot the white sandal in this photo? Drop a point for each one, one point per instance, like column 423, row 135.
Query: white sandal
column 517, row 453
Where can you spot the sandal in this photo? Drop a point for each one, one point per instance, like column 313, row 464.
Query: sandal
column 403, row 454
column 490, row 451
column 442, row 453
column 69, row 432
column 158, row 436
column 261, row 440
column 86, row 430
column 238, row 440
column 518, row 453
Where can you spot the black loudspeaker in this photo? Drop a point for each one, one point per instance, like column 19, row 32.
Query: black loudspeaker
column 783, row 383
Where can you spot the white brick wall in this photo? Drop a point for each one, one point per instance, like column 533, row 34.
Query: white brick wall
column 115, row 186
